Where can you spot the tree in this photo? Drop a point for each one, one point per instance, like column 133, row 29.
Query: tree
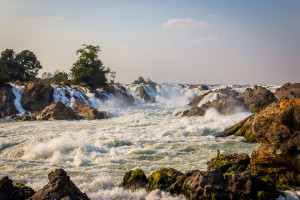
column 89, row 68
column 60, row 77
column 4, row 76
column 23, row 66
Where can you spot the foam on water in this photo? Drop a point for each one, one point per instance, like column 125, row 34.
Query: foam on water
column 18, row 90
column 97, row 153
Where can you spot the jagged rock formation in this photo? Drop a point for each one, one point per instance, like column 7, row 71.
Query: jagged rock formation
column 134, row 180
column 288, row 91
column 10, row 192
column 197, row 99
column 57, row 111
column 257, row 98
column 59, row 187
column 37, row 96
column 120, row 93
column 277, row 129
column 7, row 97
column 88, row 112
column 144, row 95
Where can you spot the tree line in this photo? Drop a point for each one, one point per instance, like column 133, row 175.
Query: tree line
column 88, row 70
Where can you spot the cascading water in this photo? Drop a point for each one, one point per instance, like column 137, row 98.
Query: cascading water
column 97, row 153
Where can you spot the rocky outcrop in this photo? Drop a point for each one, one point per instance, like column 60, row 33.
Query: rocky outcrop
column 203, row 87
column 59, row 187
column 9, row 192
column 210, row 184
column 288, row 91
column 230, row 164
column 197, row 99
column 144, row 95
column 37, row 96
column 57, row 111
column 257, row 98
column 277, row 129
column 134, row 180
column 7, row 97
column 120, row 93
column 87, row 111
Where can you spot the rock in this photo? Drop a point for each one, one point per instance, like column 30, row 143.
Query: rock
column 144, row 95
column 57, row 111
column 37, row 96
column 134, row 180
column 59, row 187
column 162, row 179
column 288, row 91
column 230, row 164
column 247, row 186
column 87, row 111
column 25, row 117
column 29, row 191
column 197, row 99
column 203, row 87
column 9, row 192
column 120, row 93
column 7, row 98
column 277, row 129
column 257, row 98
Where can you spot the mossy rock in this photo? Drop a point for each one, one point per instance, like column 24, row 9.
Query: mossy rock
column 162, row 178
column 29, row 191
column 134, row 180
column 230, row 164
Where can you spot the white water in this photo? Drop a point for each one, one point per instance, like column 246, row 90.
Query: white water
column 18, row 90
column 97, row 153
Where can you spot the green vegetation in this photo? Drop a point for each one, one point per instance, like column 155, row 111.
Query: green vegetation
column 89, row 69
column 22, row 66
column 27, row 189
column 60, row 77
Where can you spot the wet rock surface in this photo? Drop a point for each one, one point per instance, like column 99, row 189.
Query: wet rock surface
column 57, row 111
column 10, row 192
column 59, row 187
column 288, row 91
column 7, row 97
column 144, row 95
column 37, row 96
column 134, row 180
column 120, row 93
column 88, row 112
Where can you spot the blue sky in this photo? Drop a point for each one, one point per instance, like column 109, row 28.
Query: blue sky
column 212, row 41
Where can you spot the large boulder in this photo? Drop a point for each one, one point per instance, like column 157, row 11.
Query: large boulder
column 277, row 129
column 37, row 96
column 197, row 99
column 257, row 98
column 88, row 111
column 144, row 95
column 230, row 164
column 57, row 111
column 288, row 91
column 120, row 93
column 7, row 97
column 134, row 180
column 59, row 187
column 9, row 192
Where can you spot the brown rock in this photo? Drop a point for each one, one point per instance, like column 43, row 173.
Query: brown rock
column 9, row 192
column 120, row 93
column 144, row 95
column 288, row 91
column 257, row 98
column 88, row 112
column 59, row 187
column 134, row 180
column 197, row 99
column 57, row 111
column 7, row 98
column 37, row 96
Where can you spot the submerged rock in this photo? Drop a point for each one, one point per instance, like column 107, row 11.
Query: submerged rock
column 88, row 112
column 7, row 97
column 57, row 111
column 288, row 91
column 10, row 192
column 134, row 180
column 37, row 96
column 59, row 187
column 257, row 98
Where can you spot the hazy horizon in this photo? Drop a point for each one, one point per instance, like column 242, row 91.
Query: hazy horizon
column 170, row 41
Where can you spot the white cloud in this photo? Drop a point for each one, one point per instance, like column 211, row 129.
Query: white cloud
column 207, row 39
column 212, row 15
column 182, row 23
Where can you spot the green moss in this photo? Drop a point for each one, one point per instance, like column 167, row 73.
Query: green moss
column 248, row 133
column 240, row 132
column 261, row 195
column 219, row 160
column 256, row 109
column 27, row 189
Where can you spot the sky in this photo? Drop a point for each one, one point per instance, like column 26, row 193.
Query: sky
column 168, row 41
